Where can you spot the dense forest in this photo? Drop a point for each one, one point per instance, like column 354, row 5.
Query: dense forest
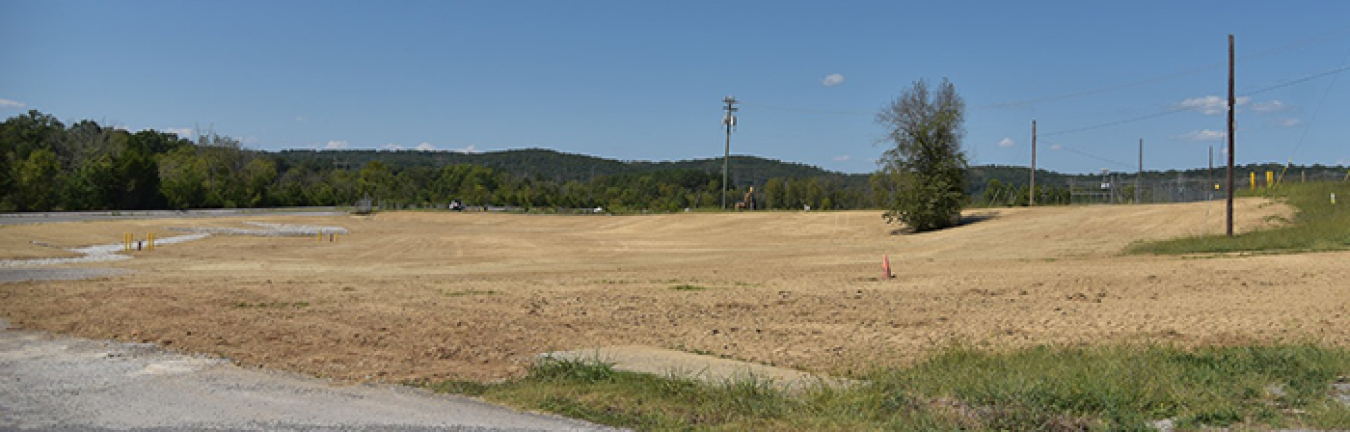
column 48, row 165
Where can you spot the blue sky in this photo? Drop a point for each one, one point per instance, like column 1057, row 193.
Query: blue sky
column 644, row 80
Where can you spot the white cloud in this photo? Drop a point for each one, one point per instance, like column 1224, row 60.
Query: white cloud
column 6, row 103
column 1204, row 135
column 391, row 146
column 1006, row 142
column 425, row 146
column 299, row 119
column 335, row 145
column 1056, row 147
column 1288, row 122
column 832, row 80
column 841, row 158
column 470, row 149
column 1269, row 107
column 1210, row 105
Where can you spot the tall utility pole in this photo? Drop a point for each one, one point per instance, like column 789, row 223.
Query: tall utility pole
column 1141, row 171
column 1033, row 164
column 1232, row 101
column 729, row 120
column 1211, row 185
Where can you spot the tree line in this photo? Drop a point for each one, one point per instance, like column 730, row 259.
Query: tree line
column 46, row 165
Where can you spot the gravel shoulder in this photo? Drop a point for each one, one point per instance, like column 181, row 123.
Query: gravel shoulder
column 52, row 383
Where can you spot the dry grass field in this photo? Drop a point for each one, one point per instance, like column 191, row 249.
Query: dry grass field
column 425, row 295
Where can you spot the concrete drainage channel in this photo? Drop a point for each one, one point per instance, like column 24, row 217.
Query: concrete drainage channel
column 714, row 370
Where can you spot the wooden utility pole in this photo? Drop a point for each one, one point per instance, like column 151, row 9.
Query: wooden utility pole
column 730, row 122
column 1032, row 198
column 1232, row 101
column 1137, row 184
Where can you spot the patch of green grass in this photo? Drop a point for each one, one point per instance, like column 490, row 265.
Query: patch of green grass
column 1125, row 387
column 688, row 287
column 1042, row 388
column 596, row 392
column 1317, row 226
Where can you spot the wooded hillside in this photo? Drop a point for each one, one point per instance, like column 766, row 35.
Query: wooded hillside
column 48, row 165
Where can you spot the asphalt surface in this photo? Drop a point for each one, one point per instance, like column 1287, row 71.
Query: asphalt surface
column 59, row 383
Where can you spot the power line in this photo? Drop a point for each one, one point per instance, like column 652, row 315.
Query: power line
column 1162, row 78
column 1308, row 126
column 1169, row 111
column 1153, row 80
column 1173, row 110
column 1089, row 155
column 1104, row 89
column 1178, row 109
column 1332, row 71
column 808, row 110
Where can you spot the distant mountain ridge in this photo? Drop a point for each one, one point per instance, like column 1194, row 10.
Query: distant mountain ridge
column 744, row 170
column 559, row 166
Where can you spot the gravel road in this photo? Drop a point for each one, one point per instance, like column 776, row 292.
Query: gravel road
column 58, row 383
column 45, row 217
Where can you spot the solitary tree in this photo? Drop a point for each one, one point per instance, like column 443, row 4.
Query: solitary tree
column 923, row 172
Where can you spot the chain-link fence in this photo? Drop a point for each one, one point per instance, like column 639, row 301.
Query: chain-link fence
column 1126, row 189
column 1117, row 190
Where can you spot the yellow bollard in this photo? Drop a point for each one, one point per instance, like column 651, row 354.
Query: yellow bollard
column 320, row 236
column 150, row 241
column 1253, row 173
column 1270, row 179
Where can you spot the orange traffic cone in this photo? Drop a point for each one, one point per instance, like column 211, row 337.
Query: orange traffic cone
column 886, row 266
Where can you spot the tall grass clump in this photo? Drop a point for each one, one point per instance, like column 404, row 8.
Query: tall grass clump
column 1121, row 387
column 1130, row 387
column 1317, row 226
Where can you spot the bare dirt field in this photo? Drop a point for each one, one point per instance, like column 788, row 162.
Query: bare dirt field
column 420, row 295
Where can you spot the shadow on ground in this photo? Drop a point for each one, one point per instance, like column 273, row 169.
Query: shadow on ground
column 968, row 219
